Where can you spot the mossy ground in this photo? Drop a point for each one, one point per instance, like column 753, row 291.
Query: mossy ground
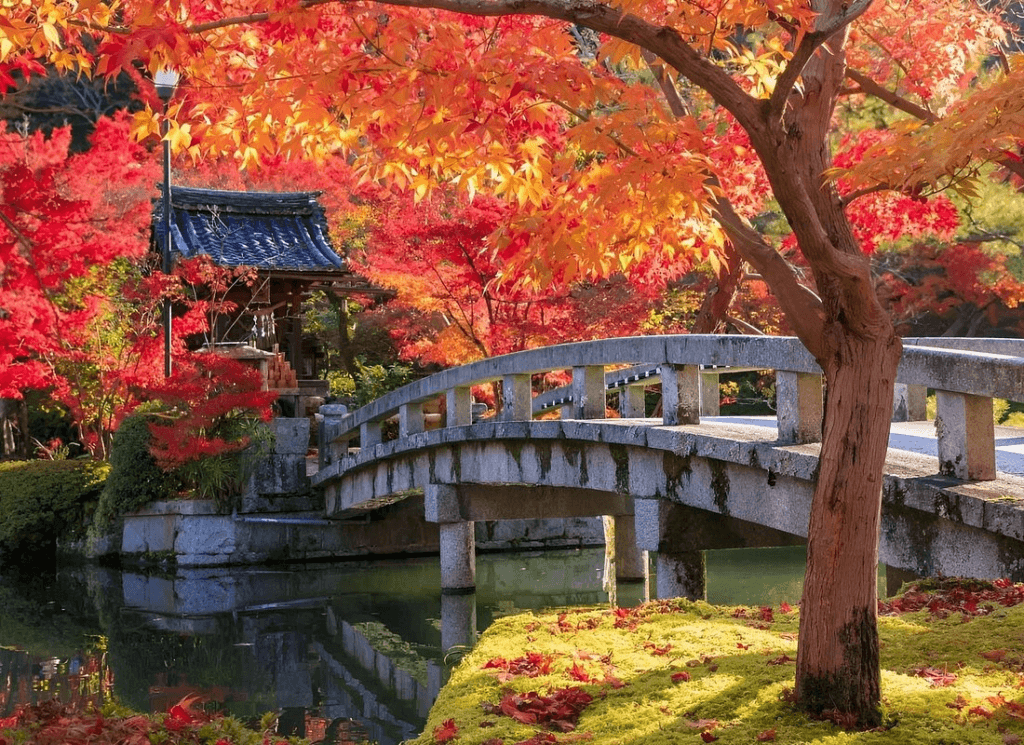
column 681, row 672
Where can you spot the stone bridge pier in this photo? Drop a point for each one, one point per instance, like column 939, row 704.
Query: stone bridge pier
column 680, row 535
column 455, row 509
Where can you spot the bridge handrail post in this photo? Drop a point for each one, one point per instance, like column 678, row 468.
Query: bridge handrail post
column 632, row 402
column 910, row 403
column 516, row 398
column 966, row 436
column 370, row 434
column 680, row 394
column 410, row 419
column 588, row 392
column 459, row 406
column 799, row 406
column 710, row 396
column 329, row 451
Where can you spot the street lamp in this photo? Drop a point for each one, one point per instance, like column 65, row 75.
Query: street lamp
column 166, row 80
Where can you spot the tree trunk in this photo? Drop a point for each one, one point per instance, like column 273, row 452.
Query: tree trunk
column 837, row 663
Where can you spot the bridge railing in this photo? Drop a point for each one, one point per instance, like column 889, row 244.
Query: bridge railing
column 967, row 374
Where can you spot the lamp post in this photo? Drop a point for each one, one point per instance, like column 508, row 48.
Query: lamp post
column 166, row 80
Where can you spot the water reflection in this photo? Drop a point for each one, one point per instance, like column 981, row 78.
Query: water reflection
column 354, row 650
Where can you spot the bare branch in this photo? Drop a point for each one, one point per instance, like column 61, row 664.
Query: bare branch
column 869, row 86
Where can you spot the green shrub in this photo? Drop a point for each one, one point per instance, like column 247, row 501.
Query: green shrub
column 135, row 479
column 42, row 500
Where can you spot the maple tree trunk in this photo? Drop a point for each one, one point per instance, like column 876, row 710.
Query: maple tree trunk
column 838, row 672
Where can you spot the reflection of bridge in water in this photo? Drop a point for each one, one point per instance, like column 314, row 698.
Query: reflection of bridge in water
column 344, row 640
column 691, row 480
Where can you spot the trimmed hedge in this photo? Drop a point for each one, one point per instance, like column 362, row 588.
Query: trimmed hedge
column 42, row 500
column 135, row 479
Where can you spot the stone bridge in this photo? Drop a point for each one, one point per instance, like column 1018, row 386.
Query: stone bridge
column 688, row 479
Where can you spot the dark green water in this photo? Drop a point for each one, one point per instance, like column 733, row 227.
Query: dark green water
column 363, row 641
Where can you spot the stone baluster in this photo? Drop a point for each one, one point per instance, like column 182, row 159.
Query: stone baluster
column 516, row 398
column 632, row 404
column 798, row 401
column 680, row 394
column 710, row 397
column 370, row 434
column 410, row 419
column 910, row 403
column 966, row 434
column 588, row 392
column 459, row 406
column 329, row 451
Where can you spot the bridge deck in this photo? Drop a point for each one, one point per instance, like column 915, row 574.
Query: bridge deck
column 918, row 437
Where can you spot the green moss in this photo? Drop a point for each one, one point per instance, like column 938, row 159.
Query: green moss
column 740, row 667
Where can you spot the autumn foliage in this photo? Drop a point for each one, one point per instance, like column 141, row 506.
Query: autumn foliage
column 185, row 723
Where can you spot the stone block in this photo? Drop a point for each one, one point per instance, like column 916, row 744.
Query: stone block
column 207, row 536
column 148, row 533
column 291, row 435
column 280, row 474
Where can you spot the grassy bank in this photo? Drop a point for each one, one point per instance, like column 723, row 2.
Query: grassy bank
column 680, row 672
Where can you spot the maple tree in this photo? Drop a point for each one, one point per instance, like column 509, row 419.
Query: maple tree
column 458, row 305
column 618, row 130
column 72, row 229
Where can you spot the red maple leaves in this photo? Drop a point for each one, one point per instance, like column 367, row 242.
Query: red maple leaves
column 969, row 597
column 558, row 710
column 531, row 665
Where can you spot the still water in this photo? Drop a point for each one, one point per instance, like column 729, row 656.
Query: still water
column 356, row 642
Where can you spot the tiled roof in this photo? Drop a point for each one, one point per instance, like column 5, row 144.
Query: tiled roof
column 267, row 230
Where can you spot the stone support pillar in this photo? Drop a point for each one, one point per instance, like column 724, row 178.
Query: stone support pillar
column 630, row 560
column 456, row 536
column 681, row 575
column 458, row 558
column 458, row 620
column 966, row 432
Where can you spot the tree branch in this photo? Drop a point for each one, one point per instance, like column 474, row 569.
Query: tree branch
column 869, row 86
column 663, row 41
column 802, row 307
column 806, row 49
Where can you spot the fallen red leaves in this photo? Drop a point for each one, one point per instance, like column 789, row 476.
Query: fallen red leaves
column 52, row 723
column 446, row 731
column 967, row 596
column 935, row 676
column 560, row 709
column 530, row 666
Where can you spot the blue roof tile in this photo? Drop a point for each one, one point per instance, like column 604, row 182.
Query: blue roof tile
column 284, row 231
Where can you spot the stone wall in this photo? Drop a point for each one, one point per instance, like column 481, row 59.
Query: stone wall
column 281, row 518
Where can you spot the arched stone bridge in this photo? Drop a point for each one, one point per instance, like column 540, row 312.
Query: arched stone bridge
column 690, row 480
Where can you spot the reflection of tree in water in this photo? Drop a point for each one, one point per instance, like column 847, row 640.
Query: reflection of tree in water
column 51, row 648
column 151, row 667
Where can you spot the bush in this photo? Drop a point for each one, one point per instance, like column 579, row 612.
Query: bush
column 43, row 500
column 134, row 478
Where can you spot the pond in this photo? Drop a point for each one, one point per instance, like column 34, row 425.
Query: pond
column 362, row 644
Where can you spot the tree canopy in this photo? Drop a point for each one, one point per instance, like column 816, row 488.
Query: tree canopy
column 618, row 131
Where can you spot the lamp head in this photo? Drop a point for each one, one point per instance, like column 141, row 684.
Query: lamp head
column 166, row 80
